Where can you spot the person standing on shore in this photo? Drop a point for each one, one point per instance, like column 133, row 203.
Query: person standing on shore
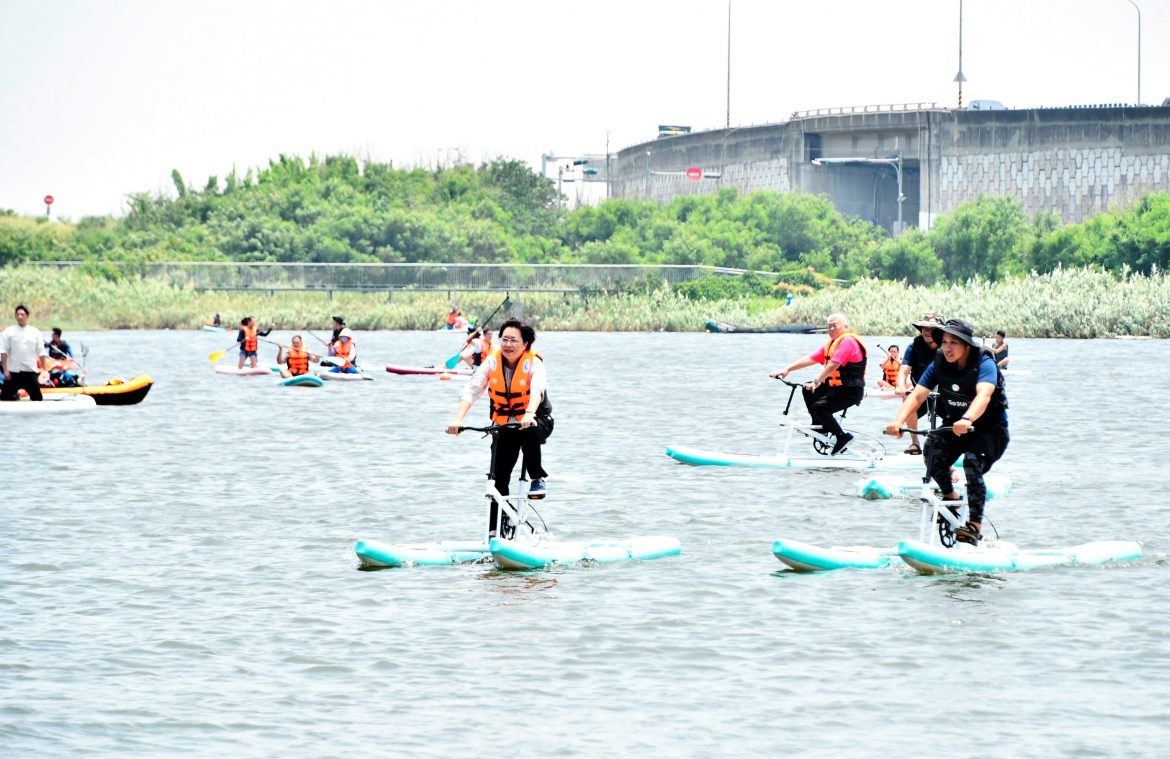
column 839, row 385
column 973, row 403
column 22, row 358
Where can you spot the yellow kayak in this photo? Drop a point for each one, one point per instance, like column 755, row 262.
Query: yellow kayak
column 116, row 392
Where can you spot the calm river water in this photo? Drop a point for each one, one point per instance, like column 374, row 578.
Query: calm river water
column 178, row 577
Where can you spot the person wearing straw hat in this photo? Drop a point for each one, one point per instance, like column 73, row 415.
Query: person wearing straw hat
column 973, row 403
column 917, row 356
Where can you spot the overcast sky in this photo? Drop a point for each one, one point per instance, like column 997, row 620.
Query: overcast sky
column 101, row 99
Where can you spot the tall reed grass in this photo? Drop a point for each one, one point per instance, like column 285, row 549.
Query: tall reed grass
column 1075, row 303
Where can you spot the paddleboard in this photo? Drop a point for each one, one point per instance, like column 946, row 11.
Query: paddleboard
column 701, row 457
column 806, row 557
column 343, row 376
column 882, row 486
column 873, row 392
column 373, row 553
column 393, row 369
column 999, row 556
column 518, row 555
column 61, row 404
column 303, row 380
column 247, row 371
column 211, row 328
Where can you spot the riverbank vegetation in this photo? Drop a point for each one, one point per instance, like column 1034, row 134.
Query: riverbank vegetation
column 985, row 258
column 1080, row 303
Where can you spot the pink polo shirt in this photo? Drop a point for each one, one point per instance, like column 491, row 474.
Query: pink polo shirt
column 848, row 351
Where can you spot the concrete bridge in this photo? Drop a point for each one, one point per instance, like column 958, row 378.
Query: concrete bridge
column 1074, row 162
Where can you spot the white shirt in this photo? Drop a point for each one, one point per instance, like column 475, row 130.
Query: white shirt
column 478, row 384
column 24, row 346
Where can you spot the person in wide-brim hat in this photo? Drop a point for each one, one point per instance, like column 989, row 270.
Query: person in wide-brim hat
column 929, row 320
column 957, row 328
column 972, row 404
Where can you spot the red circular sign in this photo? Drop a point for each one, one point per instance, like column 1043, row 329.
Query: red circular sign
column 48, row 200
column 694, row 172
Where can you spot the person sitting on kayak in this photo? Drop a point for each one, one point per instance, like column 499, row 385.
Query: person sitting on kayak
column 345, row 351
column 1000, row 349
column 973, row 403
column 249, row 340
column 338, row 325
column 839, row 385
column 477, row 348
column 890, row 368
column 58, row 348
column 215, row 321
column 514, row 377
column 295, row 358
column 919, row 355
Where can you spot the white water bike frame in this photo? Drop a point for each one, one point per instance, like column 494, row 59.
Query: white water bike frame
column 935, row 508
column 515, row 507
column 792, row 424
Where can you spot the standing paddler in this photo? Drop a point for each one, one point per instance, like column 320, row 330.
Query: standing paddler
column 972, row 402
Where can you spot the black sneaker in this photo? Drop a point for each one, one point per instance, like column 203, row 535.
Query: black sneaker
column 968, row 533
column 843, row 441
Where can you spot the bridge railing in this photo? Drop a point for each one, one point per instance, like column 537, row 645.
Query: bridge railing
column 850, row 110
column 421, row 277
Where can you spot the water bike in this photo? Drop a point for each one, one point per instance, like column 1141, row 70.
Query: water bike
column 863, row 452
column 937, row 550
column 517, row 538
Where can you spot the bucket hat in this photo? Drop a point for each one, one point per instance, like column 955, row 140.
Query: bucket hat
column 957, row 328
column 930, row 319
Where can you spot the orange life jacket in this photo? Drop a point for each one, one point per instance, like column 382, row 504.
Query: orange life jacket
column 298, row 362
column 890, row 369
column 851, row 374
column 251, row 340
column 451, row 317
column 509, row 400
column 344, row 350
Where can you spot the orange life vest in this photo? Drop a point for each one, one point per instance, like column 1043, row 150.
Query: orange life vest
column 451, row 317
column 251, row 341
column 344, row 350
column 509, row 400
column 851, row 374
column 298, row 362
column 890, row 369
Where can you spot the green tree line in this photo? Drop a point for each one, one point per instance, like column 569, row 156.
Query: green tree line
column 337, row 209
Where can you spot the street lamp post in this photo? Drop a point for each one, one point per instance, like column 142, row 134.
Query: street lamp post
column 1139, row 66
column 727, row 124
column 959, row 76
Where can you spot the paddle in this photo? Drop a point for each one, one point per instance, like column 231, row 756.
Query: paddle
column 451, row 362
column 217, row 355
column 323, row 360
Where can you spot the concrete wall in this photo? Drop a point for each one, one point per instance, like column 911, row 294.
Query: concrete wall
column 1075, row 162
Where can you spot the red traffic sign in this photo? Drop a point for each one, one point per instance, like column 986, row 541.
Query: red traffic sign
column 48, row 200
column 694, row 172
